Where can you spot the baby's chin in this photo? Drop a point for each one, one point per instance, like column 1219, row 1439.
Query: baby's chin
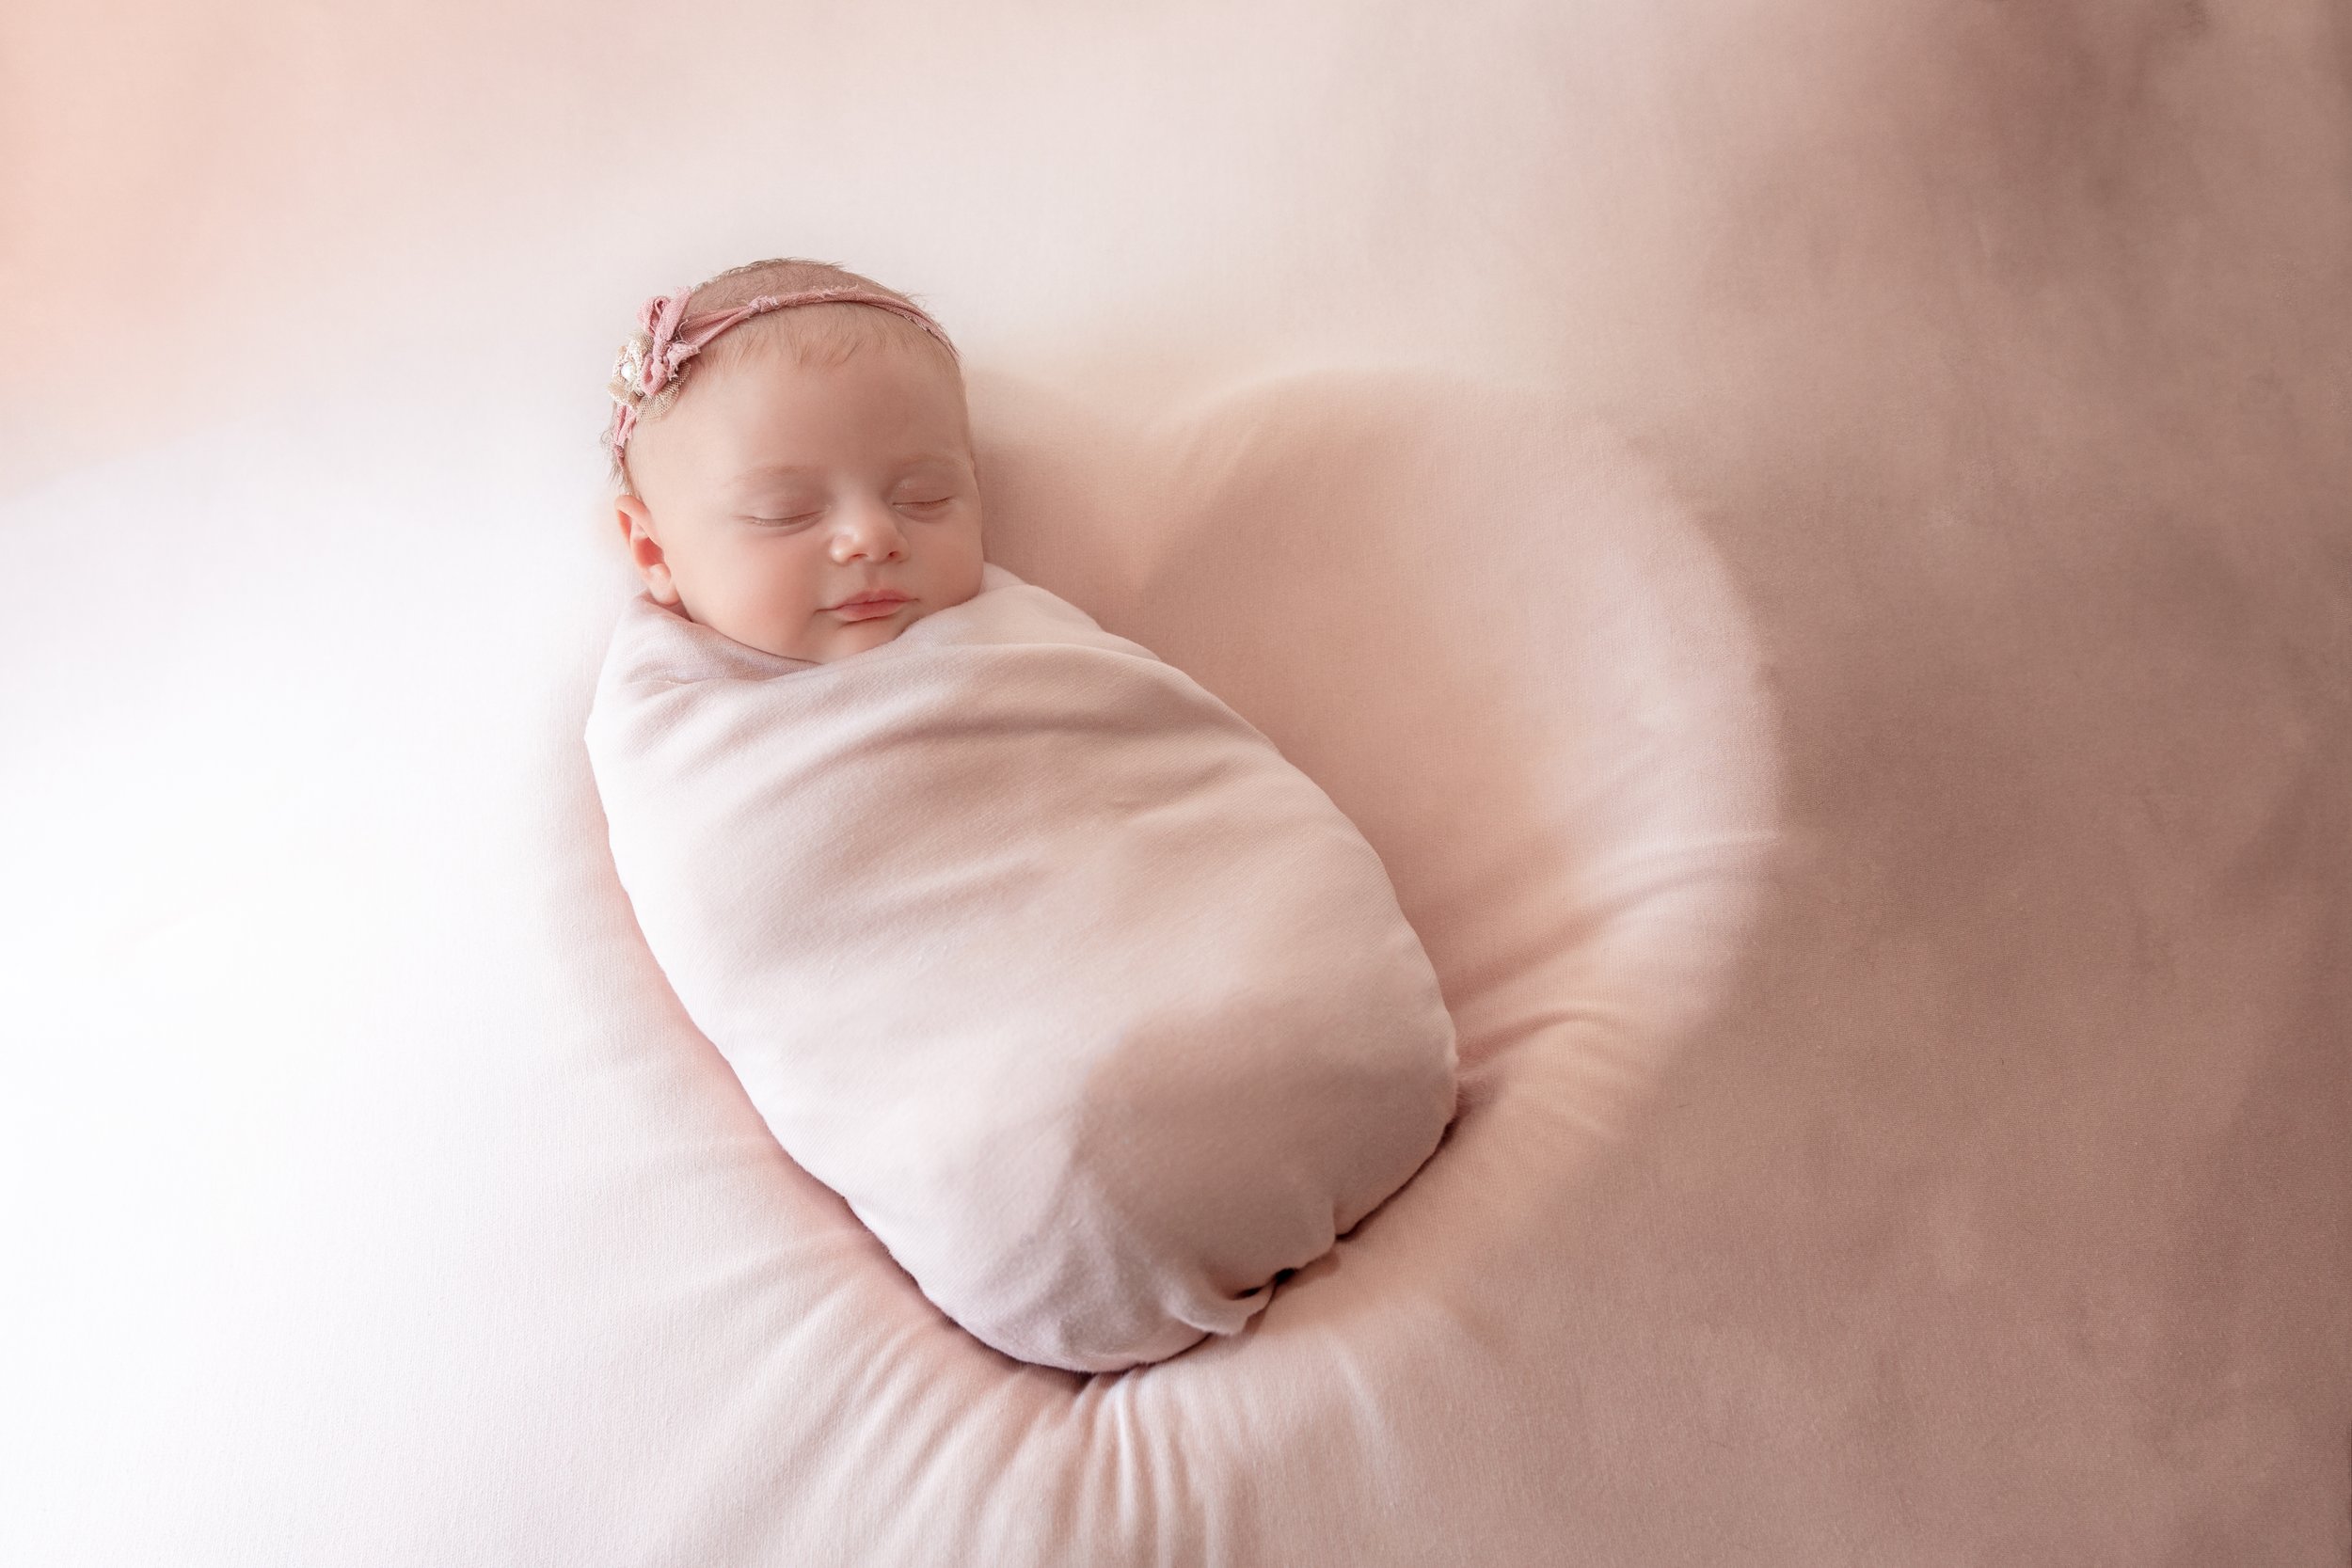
column 844, row 637
column 854, row 637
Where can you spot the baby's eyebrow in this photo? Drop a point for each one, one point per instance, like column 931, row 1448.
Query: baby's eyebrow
column 774, row 470
column 801, row 470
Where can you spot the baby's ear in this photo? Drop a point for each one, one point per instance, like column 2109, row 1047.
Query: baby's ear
column 644, row 549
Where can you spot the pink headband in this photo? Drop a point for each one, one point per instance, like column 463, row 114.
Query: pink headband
column 669, row 337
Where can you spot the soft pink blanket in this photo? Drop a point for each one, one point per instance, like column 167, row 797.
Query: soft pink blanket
column 1096, row 1011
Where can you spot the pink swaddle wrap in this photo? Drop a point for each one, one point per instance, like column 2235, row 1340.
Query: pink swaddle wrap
column 1094, row 1009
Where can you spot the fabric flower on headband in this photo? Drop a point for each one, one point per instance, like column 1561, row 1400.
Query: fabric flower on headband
column 651, row 362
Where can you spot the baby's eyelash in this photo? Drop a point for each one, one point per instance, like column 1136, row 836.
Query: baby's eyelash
column 805, row 517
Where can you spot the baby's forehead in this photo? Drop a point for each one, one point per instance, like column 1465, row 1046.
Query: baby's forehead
column 900, row 374
column 747, row 449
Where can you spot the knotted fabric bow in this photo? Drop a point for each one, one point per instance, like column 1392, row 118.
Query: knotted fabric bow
column 668, row 337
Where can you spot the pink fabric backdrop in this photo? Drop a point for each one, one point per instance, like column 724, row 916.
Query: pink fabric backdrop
column 1592, row 441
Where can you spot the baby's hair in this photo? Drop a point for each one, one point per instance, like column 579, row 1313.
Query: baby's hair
column 821, row 334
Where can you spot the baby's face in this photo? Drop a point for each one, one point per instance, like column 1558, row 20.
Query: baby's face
column 777, row 492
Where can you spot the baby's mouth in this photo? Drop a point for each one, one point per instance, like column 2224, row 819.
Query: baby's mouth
column 868, row 609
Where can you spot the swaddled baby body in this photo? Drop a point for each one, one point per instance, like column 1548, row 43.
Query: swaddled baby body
column 1096, row 1011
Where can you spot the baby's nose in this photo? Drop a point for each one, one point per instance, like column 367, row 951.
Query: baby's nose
column 868, row 527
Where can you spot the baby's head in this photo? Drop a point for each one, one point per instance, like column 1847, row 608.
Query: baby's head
column 811, row 455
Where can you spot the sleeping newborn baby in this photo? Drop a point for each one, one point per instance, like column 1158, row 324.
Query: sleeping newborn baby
column 1095, row 1011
